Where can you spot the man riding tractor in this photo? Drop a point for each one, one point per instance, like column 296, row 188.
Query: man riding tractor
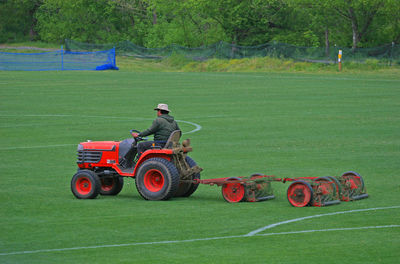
column 161, row 169
column 162, row 128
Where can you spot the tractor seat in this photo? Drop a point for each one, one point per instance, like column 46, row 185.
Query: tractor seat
column 173, row 139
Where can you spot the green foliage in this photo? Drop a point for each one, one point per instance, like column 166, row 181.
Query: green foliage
column 176, row 60
column 88, row 21
column 17, row 20
column 194, row 23
column 305, row 39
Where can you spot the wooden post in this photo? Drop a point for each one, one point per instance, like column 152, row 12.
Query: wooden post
column 62, row 58
column 340, row 60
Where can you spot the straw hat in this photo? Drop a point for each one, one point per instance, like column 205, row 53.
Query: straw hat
column 162, row 107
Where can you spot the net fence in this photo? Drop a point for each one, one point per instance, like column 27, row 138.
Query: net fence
column 388, row 54
column 58, row 60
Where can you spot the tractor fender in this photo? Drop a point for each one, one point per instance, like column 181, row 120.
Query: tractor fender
column 153, row 153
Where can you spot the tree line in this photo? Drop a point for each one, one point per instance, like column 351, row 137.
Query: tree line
column 194, row 23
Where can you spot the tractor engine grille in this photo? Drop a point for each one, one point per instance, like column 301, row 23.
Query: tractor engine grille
column 85, row 156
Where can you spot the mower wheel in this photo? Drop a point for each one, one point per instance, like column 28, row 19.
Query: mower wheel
column 157, row 179
column 357, row 180
column 337, row 185
column 188, row 188
column 353, row 186
column 111, row 185
column 85, row 184
column 300, row 194
column 234, row 191
column 325, row 192
column 261, row 190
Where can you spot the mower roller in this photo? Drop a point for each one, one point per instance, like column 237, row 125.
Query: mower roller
column 303, row 191
column 254, row 188
column 323, row 191
column 315, row 191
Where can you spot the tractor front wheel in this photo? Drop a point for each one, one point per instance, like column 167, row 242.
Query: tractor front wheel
column 85, row 184
column 111, row 185
column 157, row 179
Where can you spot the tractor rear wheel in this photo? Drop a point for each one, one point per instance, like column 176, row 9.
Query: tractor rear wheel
column 85, row 184
column 188, row 188
column 300, row 194
column 157, row 179
column 111, row 185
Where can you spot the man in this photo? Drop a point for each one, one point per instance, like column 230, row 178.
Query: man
column 162, row 128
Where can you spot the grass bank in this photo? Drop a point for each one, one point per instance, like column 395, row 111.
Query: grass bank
column 179, row 63
column 265, row 64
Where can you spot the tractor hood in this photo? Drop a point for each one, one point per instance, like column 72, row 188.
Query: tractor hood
column 98, row 145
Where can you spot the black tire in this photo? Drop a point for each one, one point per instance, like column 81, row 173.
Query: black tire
column 337, row 185
column 188, row 188
column 85, row 184
column 157, row 179
column 353, row 173
column 111, row 185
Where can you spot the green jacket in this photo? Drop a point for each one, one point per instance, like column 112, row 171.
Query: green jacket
column 162, row 128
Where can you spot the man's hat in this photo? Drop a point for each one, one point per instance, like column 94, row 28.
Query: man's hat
column 162, row 107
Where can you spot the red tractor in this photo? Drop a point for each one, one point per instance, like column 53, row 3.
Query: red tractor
column 160, row 173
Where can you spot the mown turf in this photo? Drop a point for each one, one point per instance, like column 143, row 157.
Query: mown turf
column 289, row 125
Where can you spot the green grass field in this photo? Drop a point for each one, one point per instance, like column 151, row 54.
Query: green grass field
column 289, row 125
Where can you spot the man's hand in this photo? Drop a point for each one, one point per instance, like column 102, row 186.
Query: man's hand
column 135, row 135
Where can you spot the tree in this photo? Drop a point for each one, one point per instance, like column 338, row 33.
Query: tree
column 321, row 19
column 359, row 13
column 192, row 23
column 245, row 22
column 17, row 19
column 83, row 20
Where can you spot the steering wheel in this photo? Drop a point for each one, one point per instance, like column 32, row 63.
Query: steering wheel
column 138, row 138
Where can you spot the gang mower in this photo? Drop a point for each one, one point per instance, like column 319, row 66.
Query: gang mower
column 303, row 191
column 163, row 173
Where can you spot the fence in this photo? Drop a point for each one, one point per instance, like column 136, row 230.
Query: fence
column 58, row 60
column 388, row 54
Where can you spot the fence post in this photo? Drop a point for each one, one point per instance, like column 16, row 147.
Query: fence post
column 115, row 55
column 391, row 54
column 62, row 58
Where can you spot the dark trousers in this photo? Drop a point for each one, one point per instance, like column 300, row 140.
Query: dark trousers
column 145, row 145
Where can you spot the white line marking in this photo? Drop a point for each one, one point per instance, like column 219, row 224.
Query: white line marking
column 191, row 240
column 252, row 233
column 327, row 230
column 197, row 128
column 34, row 147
